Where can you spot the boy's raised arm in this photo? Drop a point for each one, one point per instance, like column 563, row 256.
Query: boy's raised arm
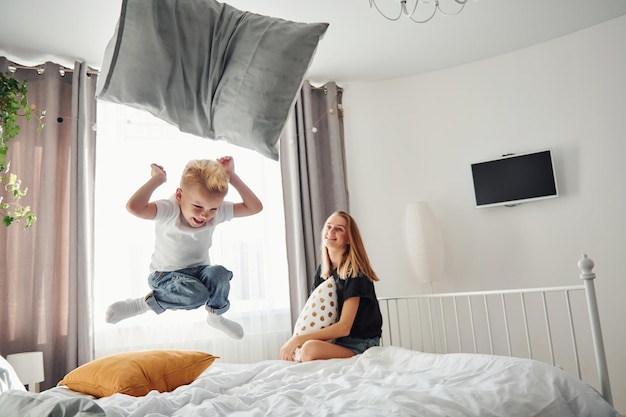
column 139, row 203
column 250, row 203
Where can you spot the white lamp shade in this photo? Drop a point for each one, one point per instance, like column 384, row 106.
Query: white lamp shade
column 28, row 366
column 424, row 242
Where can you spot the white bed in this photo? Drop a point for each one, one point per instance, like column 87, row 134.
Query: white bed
column 8, row 377
column 399, row 380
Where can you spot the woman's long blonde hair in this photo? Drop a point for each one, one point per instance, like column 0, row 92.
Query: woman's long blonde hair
column 355, row 260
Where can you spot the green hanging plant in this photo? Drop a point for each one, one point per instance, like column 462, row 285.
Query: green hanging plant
column 13, row 105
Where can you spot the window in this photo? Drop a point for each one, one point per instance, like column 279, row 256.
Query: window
column 253, row 247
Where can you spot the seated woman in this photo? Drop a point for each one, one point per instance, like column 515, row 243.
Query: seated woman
column 359, row 326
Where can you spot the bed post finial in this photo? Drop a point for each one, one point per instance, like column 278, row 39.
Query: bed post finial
column 588, row 276
column 586, row 265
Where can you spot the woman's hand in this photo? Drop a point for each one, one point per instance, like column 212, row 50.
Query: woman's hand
column 288, row 351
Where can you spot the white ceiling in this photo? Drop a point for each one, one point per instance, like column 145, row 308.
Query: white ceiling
column 360, row 45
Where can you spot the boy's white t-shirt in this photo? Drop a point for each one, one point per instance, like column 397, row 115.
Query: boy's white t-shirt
column 178, row 245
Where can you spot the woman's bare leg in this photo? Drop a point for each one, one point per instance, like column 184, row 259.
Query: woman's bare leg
column 319, row 349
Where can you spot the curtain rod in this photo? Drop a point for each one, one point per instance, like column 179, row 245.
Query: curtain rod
column 41, row 68
column 62, row 70
column 339, row 89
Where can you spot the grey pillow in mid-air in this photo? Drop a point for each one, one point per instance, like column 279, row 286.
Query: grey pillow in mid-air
column 208, row 68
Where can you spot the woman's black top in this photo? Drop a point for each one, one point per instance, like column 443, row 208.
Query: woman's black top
column 368, row 322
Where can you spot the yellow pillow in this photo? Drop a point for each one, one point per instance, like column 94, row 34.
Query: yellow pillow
column 138, row 373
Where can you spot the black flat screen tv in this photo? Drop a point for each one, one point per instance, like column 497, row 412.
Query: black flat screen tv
column 515, row 178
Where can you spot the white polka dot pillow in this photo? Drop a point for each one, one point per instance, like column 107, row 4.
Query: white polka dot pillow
column 319, row 311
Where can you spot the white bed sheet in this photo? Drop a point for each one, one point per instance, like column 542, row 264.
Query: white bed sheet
column 8, row 378
column 383, row 381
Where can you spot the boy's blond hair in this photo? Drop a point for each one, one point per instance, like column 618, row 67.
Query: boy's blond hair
column 208, row 173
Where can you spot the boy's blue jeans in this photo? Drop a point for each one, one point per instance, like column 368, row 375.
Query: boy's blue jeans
column 190, row 288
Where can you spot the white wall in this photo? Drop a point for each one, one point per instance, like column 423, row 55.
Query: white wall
column 414, row 138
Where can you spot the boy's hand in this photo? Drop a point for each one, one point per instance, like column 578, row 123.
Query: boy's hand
column 159, row 172
column 139, row 203
column 228, row 163
column 250, row 203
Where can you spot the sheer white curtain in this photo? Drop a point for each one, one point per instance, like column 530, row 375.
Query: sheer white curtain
column 253, row 247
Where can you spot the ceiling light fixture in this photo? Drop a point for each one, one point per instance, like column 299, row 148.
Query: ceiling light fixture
column 421, row 11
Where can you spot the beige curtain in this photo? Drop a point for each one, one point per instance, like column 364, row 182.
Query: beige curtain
column 312, row 161
column 46, row 271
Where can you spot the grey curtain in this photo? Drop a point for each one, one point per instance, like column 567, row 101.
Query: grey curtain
column 312, row 159
column 46, row 271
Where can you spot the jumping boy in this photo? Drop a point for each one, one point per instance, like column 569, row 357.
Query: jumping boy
column 181, row 276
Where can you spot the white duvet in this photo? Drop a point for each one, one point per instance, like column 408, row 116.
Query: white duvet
column 8, row 377
column 384, row 381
